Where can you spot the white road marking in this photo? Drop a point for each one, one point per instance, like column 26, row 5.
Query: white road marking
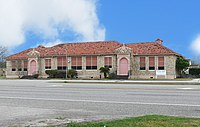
column 186, row 88
column 56, row 85
column 96, row 101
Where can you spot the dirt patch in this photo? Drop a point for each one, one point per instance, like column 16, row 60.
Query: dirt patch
column 51, row 122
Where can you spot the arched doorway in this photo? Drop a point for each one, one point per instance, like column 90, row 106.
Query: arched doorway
column 33, row 67
column 123, row 66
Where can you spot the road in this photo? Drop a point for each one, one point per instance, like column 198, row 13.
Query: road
column 29, row 100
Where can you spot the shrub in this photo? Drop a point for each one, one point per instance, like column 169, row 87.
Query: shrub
column 72, row 73
column 194, row 71
column 27, row 77
column 56, row 73
column 112, row 75
column 105, row 71
column 35, row 76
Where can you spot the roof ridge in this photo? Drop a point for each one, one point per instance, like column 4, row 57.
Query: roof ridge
column 83, row 42
column 139, row 43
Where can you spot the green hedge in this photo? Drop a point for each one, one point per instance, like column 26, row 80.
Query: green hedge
column 56, row 73
column 194, row 71
column 61, row 73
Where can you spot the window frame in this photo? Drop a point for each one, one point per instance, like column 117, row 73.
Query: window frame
column 110, row 61
column 76, row 65
column 48, row 66
column 152, row 68
column 142, row 68
column 91, row 67
column 14, row 65
column 163, row 64
column 63, row 65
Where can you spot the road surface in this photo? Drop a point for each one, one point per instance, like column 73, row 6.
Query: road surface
column 23, row 101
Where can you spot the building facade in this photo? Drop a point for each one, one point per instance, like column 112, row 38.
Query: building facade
column 137, row 60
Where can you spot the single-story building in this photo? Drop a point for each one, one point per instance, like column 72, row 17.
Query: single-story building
column 136, row 60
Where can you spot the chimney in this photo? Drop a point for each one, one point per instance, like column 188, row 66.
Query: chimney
column 159, row 41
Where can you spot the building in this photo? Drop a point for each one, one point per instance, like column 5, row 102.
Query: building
column 137, row 60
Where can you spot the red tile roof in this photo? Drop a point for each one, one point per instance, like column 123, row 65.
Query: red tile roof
column 103, row 47
column 150, row 48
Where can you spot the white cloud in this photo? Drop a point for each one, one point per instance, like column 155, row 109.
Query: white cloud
column 195, row 46
column 46, row 18
column 50, row 44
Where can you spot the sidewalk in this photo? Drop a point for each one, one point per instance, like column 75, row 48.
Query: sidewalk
column 175, row 82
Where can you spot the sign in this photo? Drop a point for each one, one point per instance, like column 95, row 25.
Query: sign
column 160, row 72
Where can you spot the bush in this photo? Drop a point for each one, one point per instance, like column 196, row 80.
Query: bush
column 72, row 73
column 56, row 73
column 27, row 77
column 35, row 76
column 194, row 71
column 112, row 75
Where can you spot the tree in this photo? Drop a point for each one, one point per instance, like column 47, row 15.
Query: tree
column 105, row 71
column 3, row 51
column 181, row 64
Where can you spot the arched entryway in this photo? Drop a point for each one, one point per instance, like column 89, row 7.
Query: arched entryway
column 123, row 66
column 33, row 67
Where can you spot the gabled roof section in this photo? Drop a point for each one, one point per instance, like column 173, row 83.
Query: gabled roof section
column 84, row 48
column 81, row 48
column 20, row 55
column 150, row 48
column 98, row 48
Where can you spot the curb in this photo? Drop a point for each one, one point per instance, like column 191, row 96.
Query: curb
column 192, row 82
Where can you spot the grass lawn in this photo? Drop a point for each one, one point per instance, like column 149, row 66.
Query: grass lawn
column 2, row 77
column 144, row 121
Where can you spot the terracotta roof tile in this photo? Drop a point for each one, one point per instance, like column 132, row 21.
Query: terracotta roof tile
column 102, row 47
column 150, row 48
column 20, row 55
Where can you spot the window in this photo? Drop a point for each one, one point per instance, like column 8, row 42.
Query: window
column 13, row 65
column 151, row 63
column 47, row 63
column 108, row 62
column 19, row 65
column 61, row 63
column 142, row 63
column 25, row 65
column 161, row 63
column 91, row 62
column 76, row 63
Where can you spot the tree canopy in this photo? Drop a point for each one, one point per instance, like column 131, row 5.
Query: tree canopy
column 181, row 63
column 3, row 51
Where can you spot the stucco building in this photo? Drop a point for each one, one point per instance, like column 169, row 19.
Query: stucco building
column 137, row 60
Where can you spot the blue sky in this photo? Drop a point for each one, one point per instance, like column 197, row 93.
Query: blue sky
column 176, row 22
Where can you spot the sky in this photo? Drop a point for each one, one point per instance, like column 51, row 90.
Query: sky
column 28, row 23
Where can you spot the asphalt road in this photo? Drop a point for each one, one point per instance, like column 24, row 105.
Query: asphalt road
column 28, row 100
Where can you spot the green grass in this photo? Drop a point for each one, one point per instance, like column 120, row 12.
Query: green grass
column 2, row 77
column 144, row 121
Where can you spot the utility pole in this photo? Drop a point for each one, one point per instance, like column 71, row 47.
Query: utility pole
column 66, row 63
